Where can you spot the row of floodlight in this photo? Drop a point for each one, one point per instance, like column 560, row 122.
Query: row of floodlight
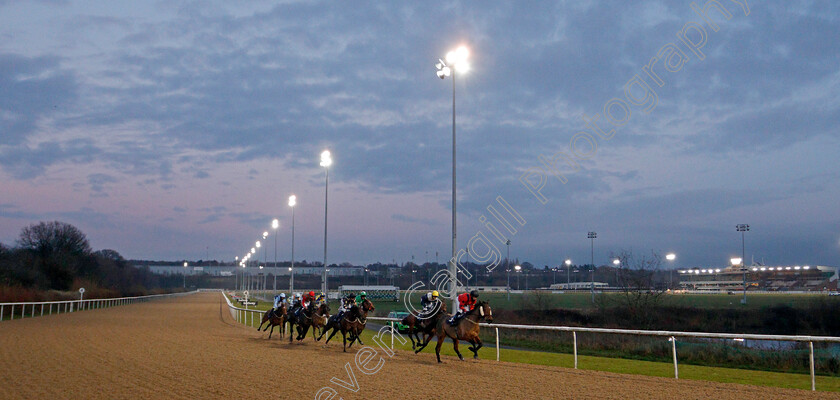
column 326, row 161
column 754, row 269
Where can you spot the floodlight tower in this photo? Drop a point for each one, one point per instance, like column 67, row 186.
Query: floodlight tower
column 292, row 203
column 592, row 236
column 743, row 228
column 326, row 161
column 456, row 60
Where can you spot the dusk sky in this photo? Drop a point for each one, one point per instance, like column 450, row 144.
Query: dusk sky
column 173, row 129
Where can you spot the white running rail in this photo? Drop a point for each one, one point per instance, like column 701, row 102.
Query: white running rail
column 31, row 309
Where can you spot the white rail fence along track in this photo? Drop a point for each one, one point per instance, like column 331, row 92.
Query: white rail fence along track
column 31, row 309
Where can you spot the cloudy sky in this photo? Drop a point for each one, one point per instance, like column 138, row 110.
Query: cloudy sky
column 174, row 129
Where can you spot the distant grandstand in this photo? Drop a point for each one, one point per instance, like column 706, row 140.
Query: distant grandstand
column 760, row 278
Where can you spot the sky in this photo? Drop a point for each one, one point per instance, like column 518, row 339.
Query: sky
column 171, row 130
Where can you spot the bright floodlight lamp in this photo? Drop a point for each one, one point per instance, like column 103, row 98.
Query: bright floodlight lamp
column 517, row 268
column 253, row 250
column 258, row 244
column 326, row 158
column 186, row 264
column 616, row 261
column 275, row 223
column 292, row 200
column 568, row 262
column 670, row 256
column 735, row 261
column 265, row 234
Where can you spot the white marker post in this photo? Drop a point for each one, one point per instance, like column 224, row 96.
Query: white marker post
column 81, row 297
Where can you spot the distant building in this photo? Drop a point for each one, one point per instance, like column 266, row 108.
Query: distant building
column 760, row 277
column 579, row 286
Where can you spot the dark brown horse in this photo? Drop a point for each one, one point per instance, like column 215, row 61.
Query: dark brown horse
column 467, row 329
column 275, row 318
column 298, row 318
column 426, row 326
column 353, row 322
column 316, row 319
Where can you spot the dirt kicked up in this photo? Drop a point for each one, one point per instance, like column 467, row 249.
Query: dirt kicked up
column 190, row 348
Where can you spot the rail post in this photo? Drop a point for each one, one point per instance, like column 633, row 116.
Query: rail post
column 497, row 344
column 392, row 336
column 1, row 313
column 813, row 378
column 673, row 341
column 574, row 344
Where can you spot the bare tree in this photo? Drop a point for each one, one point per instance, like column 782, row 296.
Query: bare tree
column 48, row 238
column 641, row 292
column 57, row 253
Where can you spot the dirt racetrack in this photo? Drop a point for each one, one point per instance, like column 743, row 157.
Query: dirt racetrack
column 189, row 347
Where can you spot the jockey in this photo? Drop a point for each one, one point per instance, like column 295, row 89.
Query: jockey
column 361, row 298
column 321, row 298
column 466, row 302
column 308, row 299
column 346, row 303
column 429, row 302
column 280, row 298
column 296, row 303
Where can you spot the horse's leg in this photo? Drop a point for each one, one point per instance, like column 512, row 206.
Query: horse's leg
column 455, row 345
column 344, row 336
column 335, row 330
column 441, row 338
column 330, row 325
column 359, row 335
column 271, row 331
column 477, row 340
column 291, row 331
column 411, row 335
column 426, row 341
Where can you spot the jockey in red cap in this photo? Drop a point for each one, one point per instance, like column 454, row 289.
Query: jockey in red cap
column 308, row 298
column 466, row 302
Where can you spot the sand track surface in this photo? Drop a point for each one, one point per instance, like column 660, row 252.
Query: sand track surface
column 190, row 348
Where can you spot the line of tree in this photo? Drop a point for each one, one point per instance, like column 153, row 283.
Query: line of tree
column 56, row 256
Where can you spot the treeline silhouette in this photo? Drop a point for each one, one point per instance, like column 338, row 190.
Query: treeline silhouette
column 51, row 260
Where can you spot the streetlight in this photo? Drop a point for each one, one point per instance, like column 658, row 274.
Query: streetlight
column 292, row 203
column 456, row 60
column 568, row 272
column 265, row 249
column 738, row 261
column 258, row 244
column 185, row 274
column 326, row 161
column 507, row 268
column 235, row 275
column 671, row 257
column 518, row 268
column 592, row 236
column 275, row 224
column 743, row 228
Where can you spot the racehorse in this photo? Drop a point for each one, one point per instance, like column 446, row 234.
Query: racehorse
column 425, row 325
column 353, row 322
column 317, row 319
column 275, row 318
column 467, row 329
column 305, row 317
